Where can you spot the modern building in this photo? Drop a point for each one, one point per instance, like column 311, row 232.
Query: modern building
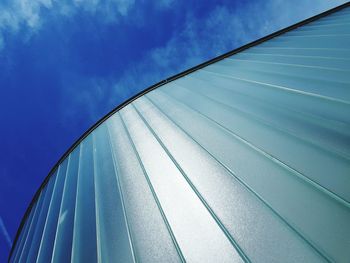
column 245, row 158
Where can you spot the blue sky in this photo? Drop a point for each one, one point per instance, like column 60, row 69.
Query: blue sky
column 64, row 64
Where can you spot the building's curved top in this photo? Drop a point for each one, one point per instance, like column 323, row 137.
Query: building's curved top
column 243, row 158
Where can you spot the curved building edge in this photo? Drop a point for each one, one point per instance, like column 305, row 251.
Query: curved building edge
column 152, row 87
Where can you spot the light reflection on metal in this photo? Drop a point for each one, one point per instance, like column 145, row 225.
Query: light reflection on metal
column 246, row 159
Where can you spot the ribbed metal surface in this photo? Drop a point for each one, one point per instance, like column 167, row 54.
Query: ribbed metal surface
column 245, row 160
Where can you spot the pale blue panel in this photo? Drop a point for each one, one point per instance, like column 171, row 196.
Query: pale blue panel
column 258, row 101
column 333, row 20
column 84, row 247
column 236, row 207
column 304, row 101
column 196, row 229
column 334, row 30
column 318, row 41
column 286, row 190
column 113, row 240
column 235, row 66
column 341, row 17
column 150, row 233
column 342, row 12
column 64, row 235
column 263, row 139
column 262, row 124
column 275, row 78
column 247, row 159
column 49, row 232
column 34, row 236
column 342, row 54
column 304, row 61
column 24, row 233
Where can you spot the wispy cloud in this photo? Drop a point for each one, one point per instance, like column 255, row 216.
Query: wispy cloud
column 5, row 233
column 65, row 39
column 31, row 15
column 202, row 38
column 198, row 39
column 108, row 10
column 165, row 3
column 21, row 13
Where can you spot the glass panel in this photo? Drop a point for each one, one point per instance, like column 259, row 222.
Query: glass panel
column 295, row 60
column 63, row 242
column 274, row 82
column 280, row 98
column 255, row 122
column 245, row 159
column 319, row 42
column 34, row 236
column 283, row 73
column 285, row 51
column 112, row 235
column 197, row 233
column 233, row 204
column 84, row 236
column 49, row 233
column 23, row 235
column 285, row 190
column 151, row 240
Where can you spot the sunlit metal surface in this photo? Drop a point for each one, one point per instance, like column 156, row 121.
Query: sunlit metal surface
column 245, row 160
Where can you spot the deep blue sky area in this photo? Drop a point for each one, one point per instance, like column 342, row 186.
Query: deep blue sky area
column 64, row 64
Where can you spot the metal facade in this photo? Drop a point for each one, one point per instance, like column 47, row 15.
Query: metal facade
column 244, row 160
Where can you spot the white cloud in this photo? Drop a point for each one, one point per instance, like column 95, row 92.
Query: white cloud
column 22, row 12
column 223, row 29
column 108, row 10
column 165, row 3
column 200, row 39
column 31, row 13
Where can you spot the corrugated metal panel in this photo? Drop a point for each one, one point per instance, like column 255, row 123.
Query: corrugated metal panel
column 247, row 159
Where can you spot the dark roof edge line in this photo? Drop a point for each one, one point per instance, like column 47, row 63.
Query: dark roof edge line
column 154, row 86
